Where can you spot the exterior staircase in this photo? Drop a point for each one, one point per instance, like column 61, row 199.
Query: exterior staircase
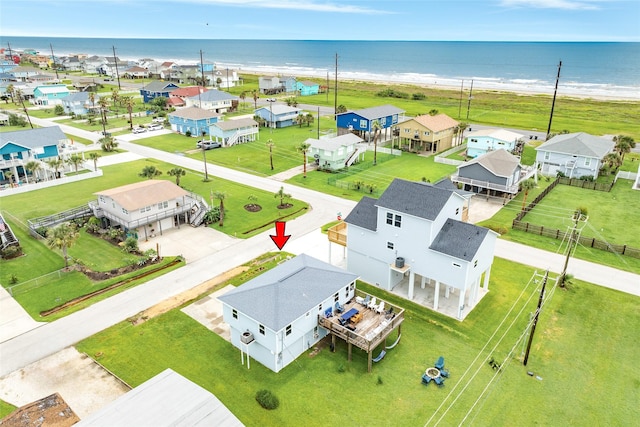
column 6, row 235
column 197, row 217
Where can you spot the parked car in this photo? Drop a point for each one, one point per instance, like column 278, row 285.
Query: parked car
column 158, row 120
column 138, row 129
column 208, row 145
column 155, row 126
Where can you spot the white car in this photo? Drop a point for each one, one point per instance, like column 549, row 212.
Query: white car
column 138, row 130
column 155, row 126
column 158, row 120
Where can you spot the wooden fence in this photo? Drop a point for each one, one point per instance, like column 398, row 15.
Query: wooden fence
column 555, row 233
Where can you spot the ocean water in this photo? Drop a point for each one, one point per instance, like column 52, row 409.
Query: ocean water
column 588, row 68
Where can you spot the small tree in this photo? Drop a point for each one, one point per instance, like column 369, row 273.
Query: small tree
column 130, row 245
column 149, row 172
column 177, row 173
column 526, row 185
column 129, row 103
column 63, row 237
column 270, row 144
column 58, row 110
column 94, row 156
column 108, row 144
column 304, row 148
column 220, row 196
column 282, row 195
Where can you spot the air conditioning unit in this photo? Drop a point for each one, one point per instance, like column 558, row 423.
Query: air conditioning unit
column 247, row 337
column 399, row 262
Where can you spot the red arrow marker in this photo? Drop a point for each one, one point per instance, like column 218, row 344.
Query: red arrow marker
column 280, row 239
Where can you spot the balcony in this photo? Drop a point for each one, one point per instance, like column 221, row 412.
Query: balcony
column 338, row 233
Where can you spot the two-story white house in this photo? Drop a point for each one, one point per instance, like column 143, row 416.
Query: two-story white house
column 148, row 207
column 415, row 229
column 273, row 318
column 338, row 152
column 214, row 100
column 573, row 154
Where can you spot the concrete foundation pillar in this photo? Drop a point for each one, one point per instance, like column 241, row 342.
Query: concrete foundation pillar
column 436, row 295
column 412, row 279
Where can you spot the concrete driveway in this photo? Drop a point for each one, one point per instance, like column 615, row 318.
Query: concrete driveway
column 14, row 320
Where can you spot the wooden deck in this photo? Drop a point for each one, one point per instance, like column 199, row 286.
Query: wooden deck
column 338, row 233
column 371, row 329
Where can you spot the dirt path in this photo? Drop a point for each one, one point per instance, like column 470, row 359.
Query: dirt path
column 186, row 296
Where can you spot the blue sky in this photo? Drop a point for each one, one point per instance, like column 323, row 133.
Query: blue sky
column 504, row 20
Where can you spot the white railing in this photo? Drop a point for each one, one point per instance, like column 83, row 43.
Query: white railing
column 24, row 188
column 513, row 189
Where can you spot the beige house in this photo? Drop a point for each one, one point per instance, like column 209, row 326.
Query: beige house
column 426, row 133
column 148, row 207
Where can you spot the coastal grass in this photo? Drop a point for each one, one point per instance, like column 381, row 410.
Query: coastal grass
column 564, row 355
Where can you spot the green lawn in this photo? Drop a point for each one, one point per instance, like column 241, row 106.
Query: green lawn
column 572, row 360
column 6, row 408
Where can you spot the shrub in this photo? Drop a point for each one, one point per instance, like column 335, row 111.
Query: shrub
column 130, row 245
column 16, row 120
column 587, row 178
column 390, row 93
column 418, row 96
column 13, row 279
column 212, row 216
column 93, row 225
column 379, row 380
column 188, row 133
column 267, row 400
column 58, row 110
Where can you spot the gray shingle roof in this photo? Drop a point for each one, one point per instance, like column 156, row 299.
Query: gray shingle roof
column 158, row 86
column 77, row 96
column 364, row 214
column 499, row 162
column 281, row 295
column 334, row 143
column 459, row 239
column 214, row 95
column 578, row 144
column 33, row 138
column 194, row 113
column 414, row 198
column 447, row 184
column 378, row 112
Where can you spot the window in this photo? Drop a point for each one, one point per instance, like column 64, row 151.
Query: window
column 124, row 211
column 335, row 297
column 320, row 307
column 398, row 221
column 261, row 329
column 163, row 205
column 145, row 209
column 389, row 218
column 363, row 124
column 587, row 161
column 101, row 198
column 389, row 245
column 475, row 263
column 457, row 211
column 346, row 292
column 234, row 313
column 546, row 155
column 426, row 133
column 407, row 130
column 288, row 330
column 456, row 265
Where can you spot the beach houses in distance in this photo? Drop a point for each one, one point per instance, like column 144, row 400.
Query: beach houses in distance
column 415, row 229
column 273, row 318
column 574, row 155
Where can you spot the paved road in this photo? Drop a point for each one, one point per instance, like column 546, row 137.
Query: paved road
column 52, row 337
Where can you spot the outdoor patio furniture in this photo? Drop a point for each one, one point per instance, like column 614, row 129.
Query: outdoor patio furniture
column 360, row 300
column 380, row 356
column 444, row 373
column 439, row 381
column 366, row 301
column 373, row 303
column 339, row 308
column 380, row 307
column 440, row 363
column 426, row 379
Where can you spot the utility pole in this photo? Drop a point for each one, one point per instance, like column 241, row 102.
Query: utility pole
column 578, row 215
column 535, row 318
column 10, row 53
column 335, row 90
column 115, row 61
column 327, row 86
column 201, row 72
column 318, row 122
column 470, row 96
column 53, row 58
column 553, row 103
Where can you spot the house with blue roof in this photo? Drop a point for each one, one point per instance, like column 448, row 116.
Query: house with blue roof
column 20, row 147
column 416, row 229
column 50, row 94
column 273, row 318
column 214, row 100
column 306, row 88
column 361, row 122
column 76, row 103
column 157, row 89
column 278, row 115
column 482, row 141
column 192, row 120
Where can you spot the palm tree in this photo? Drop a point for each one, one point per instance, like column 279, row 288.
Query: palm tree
column 104, row 106
column 282, row 195
column 150, row 172
column 33, row 167
column 270, row 144
column 220, row 196
column 75, row 160
column 115, row 97
column 8, row 175
column 255, row 98
column 55, row 164
column 462, row 126
column 304, row 148
column 624, row 144
column 341, row 109
column 433, row 112
column 526, row 185
column 63, row 237
column 377, row 128
column 94, row 155
column 612, row 160
column 300, row 119
column 108, row 144
column 177, row 172
column 243, row 96
column 10, row 89
column 129, row 103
